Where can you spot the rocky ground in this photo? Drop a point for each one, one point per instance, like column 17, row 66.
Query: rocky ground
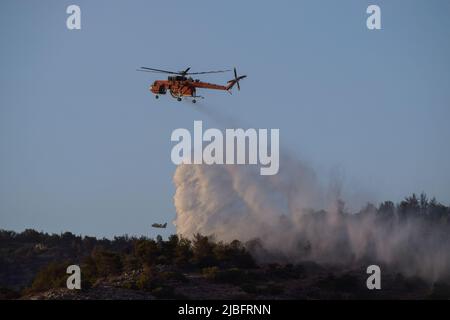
column 308, row 281
column 140, row 269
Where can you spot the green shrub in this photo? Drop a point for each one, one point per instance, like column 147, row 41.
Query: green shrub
column 171, row 275
column 183, row 253
column 146, row 251
column 440, row 291
column 203, row 255
column 52, row 276
column 274, row 289
column 251, row 288
column 130, row 263
column 233, row 254
column 8, row 294
column 107, row 263
column 233, row 275
column 163, row 292
column 268, row 289
column 210, row 273
column 147, row 279
column 166, row 292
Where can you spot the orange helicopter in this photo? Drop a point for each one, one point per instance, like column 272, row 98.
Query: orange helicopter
column 181, row 85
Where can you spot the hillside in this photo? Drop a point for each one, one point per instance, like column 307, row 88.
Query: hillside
column 38, row 276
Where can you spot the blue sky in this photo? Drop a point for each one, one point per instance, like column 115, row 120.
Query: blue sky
column 85, row 147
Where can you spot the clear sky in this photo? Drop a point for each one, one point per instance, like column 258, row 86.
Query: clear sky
column 85, row 147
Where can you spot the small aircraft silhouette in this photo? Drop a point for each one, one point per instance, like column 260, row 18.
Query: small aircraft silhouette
column 159, row 225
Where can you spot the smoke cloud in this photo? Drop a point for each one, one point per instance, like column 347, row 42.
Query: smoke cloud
column 296, row 219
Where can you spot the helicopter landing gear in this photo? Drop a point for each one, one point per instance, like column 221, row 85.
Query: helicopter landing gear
column 178, row 99
column 156, row 97
column 194, row 101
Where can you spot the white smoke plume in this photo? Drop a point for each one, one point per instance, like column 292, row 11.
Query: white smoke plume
column 235, row 202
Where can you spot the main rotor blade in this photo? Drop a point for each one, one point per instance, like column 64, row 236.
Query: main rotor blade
column 205, row 72
column 185, row 72
column 149, row 71
column 158, row 70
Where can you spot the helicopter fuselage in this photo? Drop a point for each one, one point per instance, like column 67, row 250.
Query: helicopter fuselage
column 180, row 86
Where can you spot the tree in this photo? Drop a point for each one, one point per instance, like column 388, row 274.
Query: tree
column 423, row 203
column 409, row 207
column 52, row 276
column 386, row 209
column 146, row 251
column 183, row 253
column 203, row 255
column 107, row 262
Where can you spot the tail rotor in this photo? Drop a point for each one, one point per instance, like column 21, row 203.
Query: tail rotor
column 236, row 80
